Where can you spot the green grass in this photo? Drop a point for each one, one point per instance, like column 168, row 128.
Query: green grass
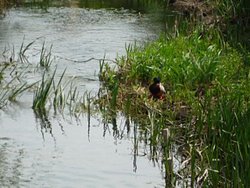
column 50, row 91
column 11, row 86
column 207, row 105
column 42, row 93
column 23, row 58
column 46, row 57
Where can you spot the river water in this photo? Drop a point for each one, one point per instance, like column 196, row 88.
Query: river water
column 66, row 152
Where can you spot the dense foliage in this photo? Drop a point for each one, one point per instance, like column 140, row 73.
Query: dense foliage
column 207, row 85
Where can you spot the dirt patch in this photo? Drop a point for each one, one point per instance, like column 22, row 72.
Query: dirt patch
column 197, row 9
column 207, row 13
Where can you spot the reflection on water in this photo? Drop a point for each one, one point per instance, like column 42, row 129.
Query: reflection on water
column 41, row 150
column 37, row 153
column 45, row 124
column 10, row 163
column 139, row 5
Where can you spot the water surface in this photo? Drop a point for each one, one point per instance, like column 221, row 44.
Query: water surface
column 60, row 151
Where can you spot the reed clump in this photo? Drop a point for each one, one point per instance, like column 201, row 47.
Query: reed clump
column 206, row 107
column 51, row 90
column 45, row 57
column 42, row 93
column 11, row 86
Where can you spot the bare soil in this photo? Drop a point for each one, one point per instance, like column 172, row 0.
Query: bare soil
column 197, row 9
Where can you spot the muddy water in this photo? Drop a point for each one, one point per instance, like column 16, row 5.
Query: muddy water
column 62, row 151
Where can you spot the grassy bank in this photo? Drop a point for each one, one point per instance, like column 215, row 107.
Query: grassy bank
column 206, row 108
column 206, row 111
column 232, row 18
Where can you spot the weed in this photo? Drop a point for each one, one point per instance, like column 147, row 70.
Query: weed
column 45, row 57
column 23, row 49
column 42, row 93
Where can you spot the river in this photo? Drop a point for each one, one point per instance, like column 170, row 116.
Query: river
column 66, row 152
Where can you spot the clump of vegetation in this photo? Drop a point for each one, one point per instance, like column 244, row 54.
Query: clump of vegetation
column 42, row 93
column 10, row 86
column 51, row 90
column 207, row 102
column 45, row 57
column 206, row 108
column 232, row 18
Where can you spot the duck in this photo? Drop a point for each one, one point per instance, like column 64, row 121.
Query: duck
column 157, row 90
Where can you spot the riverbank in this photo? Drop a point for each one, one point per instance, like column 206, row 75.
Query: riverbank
column 206, row 107
column 2, row 5
column 232, row 19
column 197, row 9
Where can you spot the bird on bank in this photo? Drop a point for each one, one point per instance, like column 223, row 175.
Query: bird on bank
column 157, row 90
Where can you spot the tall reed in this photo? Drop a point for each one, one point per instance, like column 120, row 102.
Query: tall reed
column 59, row 98
column 42, row 93
column 45, row 57
column 22, row 52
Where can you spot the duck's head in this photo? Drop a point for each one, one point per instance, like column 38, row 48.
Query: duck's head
column 157, row 80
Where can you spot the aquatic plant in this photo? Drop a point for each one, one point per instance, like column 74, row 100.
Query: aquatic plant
column 59, row 97
column 45, row 57
column 23, row 49
column 42, row 92
column 10, row 84
column 18, row 90
column 47, row 90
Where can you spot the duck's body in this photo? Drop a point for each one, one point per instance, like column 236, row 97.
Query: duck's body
column 157, row 90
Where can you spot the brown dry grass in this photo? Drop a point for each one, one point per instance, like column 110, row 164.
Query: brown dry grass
column 2, row 6
column 197, row 9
